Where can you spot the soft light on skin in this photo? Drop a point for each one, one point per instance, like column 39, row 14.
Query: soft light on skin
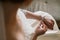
column 10, row 10
column 10, row 19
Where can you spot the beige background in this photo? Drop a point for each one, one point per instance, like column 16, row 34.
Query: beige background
column 52, row 7
column 2, row 29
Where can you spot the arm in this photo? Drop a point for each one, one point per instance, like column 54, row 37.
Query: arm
column 34, row 37
column 30, row 15
column 47, row 21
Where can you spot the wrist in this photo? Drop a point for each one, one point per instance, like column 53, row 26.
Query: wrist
column 34, row 37
column 40, row 18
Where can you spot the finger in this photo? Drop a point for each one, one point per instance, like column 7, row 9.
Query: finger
column 50, row 24
column 44, row 27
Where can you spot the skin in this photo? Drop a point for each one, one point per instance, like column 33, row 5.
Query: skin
column 48, row 22
column 30, row 15
column 40, row 31
column 10, row 21
column 12, row 33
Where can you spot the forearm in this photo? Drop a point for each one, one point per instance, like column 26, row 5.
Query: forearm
column 34, row 37
column 30, row 15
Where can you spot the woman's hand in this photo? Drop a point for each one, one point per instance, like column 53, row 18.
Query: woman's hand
column 41, row 29
column 49, row 23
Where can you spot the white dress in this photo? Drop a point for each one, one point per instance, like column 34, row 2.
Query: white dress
column 27, row 28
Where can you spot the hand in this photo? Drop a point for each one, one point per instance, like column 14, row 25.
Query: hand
column 49, row 23
column 39, row 30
